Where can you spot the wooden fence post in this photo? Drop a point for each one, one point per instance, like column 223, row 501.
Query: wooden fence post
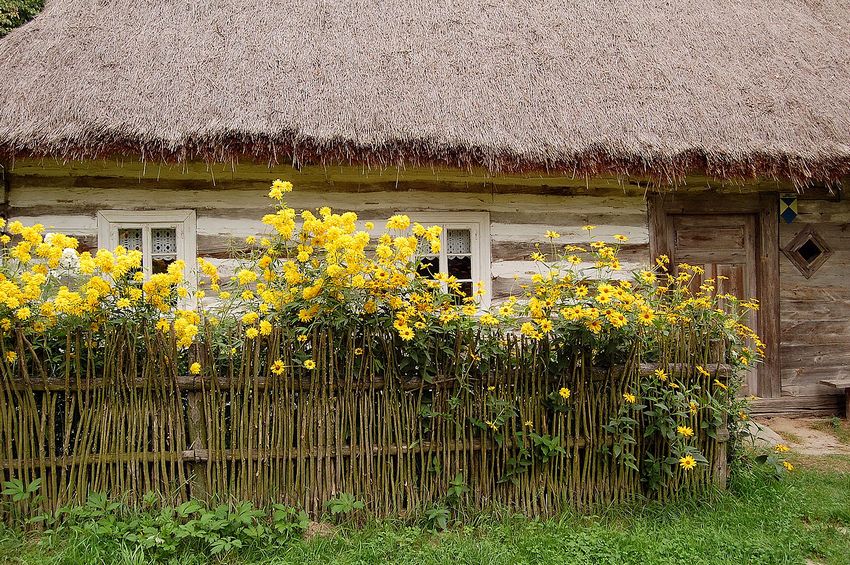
column 720, row 466
column 197, row 456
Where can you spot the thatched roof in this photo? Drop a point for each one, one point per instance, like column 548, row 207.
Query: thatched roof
column 728, row 87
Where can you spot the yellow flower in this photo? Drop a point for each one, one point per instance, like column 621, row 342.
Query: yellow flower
column 646, row 316
column 23, row 313
column 278, row 367
column 11, row 356
column 265, row 327
column 358, row 351
column 302, row 338
column 405, row 333
column 630, row 398
column 552, row 234
column 788, row 466
column 123, row 303
column 251, row 333
column 720, row 385
column 564, row 392
column 491, row 388
column 309, row 364
column 588, row 228
column 278, row 188
column 662, row 376
column 621, row 238
column 244, row 276
column 702, row 371
column 398, row 222
column 687, row 462
column 781, row 448
column 529, row 424
column 685, row 431
column 195, row 368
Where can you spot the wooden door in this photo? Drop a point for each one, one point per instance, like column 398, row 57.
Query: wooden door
column 734, row 237
column 724, row 246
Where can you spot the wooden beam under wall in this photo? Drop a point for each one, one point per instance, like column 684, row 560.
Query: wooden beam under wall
column 821, row 405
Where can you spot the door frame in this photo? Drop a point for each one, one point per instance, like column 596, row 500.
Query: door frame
column 765, row 207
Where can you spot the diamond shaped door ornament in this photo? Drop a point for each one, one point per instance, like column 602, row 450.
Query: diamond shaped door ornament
column 807, row 251
column 788, row 207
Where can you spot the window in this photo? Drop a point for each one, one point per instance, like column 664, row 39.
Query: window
column 464, row 248
column 808, row 251
column 162, row 237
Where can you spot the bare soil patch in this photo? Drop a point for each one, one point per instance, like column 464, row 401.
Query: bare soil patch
column 806, row 436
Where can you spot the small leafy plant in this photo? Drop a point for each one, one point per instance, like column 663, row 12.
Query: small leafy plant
column 344, row 504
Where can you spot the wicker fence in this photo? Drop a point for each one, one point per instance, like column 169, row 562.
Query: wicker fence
column 118, row 415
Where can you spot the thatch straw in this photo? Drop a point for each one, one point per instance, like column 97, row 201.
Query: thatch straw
column 730, row 88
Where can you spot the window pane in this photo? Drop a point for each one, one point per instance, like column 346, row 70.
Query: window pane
column 164, row 241
column 460, row 267
column 428, row 266
column 160, row 264
column 458, row 242
column 466, row 288
column 130, row 239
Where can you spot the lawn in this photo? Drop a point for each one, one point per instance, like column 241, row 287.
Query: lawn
column 758, row 521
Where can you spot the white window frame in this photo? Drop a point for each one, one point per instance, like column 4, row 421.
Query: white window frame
column 478, row 224
column 184, row 222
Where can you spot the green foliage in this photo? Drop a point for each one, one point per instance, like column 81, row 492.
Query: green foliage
column 759, row 521
column 14, row 13
column 345, row 504
column 161, row 533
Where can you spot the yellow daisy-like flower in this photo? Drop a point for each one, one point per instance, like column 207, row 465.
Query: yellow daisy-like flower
column 685, row 431
column 662, row 376
column 552, row 234
column 788, row 466
column 588, row 228
column 701, row 370
column 687, row 462
column 11, row 356
column 720, row 385
column 251, row 333
column 564, row 392
column 278, row 367
column 309, row 364
column 195, row 368
column 621, row 238
column 781, row 448
column 629, row 397
column 278, row 188
column 405, row 333
column 358, row 351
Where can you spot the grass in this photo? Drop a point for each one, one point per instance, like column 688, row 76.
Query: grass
column 757, row 521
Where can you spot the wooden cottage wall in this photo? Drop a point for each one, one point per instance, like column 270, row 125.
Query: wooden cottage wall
column 67, row 200
column 815, row 312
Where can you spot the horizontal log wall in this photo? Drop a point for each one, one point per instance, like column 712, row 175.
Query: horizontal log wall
column 230, row 209
column 815, row 312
